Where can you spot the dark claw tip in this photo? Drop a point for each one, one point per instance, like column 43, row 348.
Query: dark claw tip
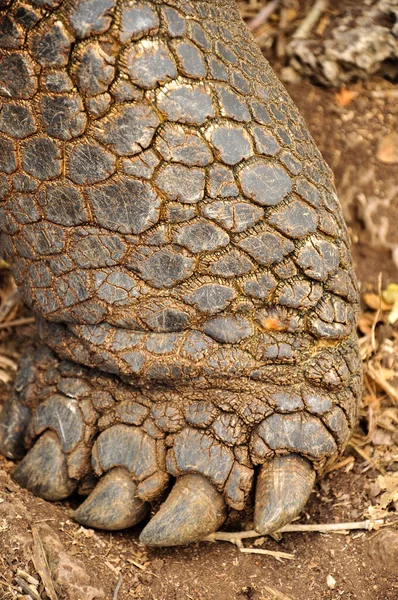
column 44, row 470
column 284, row 485
column 113, row 504
column 193, row 510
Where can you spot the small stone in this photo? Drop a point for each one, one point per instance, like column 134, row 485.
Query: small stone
column 387, row 151
column 331, row 582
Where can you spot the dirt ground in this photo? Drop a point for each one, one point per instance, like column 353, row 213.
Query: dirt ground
column 41, row 547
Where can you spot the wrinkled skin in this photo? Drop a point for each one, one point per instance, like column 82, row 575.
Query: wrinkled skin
column 177, row 234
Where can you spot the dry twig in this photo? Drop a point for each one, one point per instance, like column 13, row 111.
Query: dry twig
column 376, row 375
column 28, row 589
column 237, row 537
column 263, row 15
column 273, row 553
column 41, row 564
column 304, row 30
column 117, row 588
column 17, row 322
column 275, row 594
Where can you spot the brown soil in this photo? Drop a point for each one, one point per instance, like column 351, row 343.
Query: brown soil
column 364, row 565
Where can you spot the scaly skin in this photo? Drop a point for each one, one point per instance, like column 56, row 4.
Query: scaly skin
column 177, row 234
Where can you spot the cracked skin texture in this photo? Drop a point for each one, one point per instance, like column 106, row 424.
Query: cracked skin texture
column 177, row 234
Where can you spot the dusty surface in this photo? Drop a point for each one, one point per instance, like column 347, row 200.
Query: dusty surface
column 83, row 564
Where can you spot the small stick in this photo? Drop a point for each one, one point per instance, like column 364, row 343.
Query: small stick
column 137, row 564
column 381, row 382
column 384, row 93
column 378, row 313
column 9, row 303
column 237, row 537
column 275, row 595
column 364, row 455
column 342, row 463
column 41, row 564
column 304, row 30
column 268, row 553
column 263, row 15
column 111, row 567
column 17, row 322
column 27, row 577
column 117, row 588
column 27, row 588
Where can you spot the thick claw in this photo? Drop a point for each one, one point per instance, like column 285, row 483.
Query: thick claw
column 44, row 470
column 283, row 487
column 113, row 504
column 14, row 419
column 193, row 509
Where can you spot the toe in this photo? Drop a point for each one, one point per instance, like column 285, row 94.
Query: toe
column 44, row 470
column 113, row 504
column 193, row 509
column 14, row 419
column 284, row 485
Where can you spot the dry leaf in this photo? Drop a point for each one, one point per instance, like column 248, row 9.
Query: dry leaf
column 388, row 483
column 365, row 323
column 390, row 295
column 374, row 302
column 376, row 512
column 344, row 97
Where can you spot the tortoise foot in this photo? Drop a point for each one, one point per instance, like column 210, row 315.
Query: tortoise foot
column 88, row 431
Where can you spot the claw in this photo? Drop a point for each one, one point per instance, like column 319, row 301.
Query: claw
column 44, row 470
column 283, row 488
column 193, row 509
column 14, row 419
column 113, row 504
